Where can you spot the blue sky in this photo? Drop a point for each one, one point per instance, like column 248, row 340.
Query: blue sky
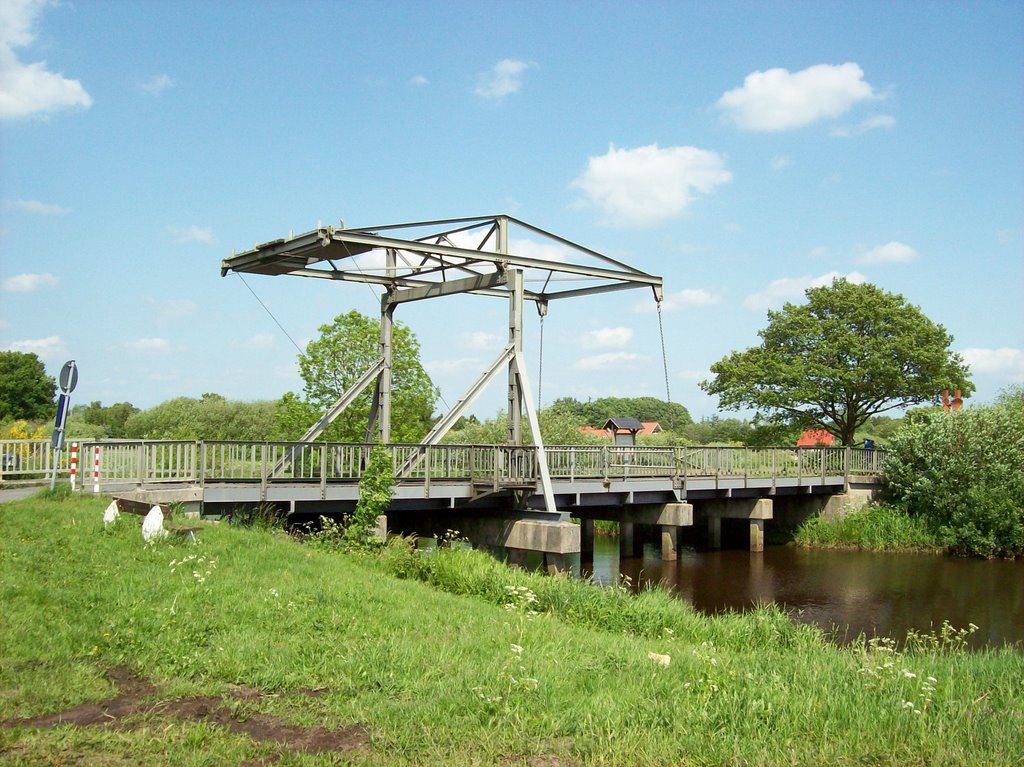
column 743, row 151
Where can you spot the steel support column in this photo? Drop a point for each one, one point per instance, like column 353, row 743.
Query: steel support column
column 515, row 340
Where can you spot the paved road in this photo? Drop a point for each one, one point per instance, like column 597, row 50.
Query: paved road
column 17, row 493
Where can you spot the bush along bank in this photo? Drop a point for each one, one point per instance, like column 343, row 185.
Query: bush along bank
column 876, row 527
column 962, row 475
column 954, row 482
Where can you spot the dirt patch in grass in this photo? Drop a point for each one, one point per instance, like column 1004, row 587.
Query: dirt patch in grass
column 135, row 696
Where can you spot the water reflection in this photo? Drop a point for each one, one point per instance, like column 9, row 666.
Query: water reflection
column 848, row 593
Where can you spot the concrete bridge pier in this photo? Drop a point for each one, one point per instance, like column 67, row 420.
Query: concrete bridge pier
column 629, row 543
column 754, row 510
column 670, row 518
column 554, row 540
column 586, row 542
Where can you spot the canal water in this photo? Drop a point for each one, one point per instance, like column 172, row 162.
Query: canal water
column 846, row 593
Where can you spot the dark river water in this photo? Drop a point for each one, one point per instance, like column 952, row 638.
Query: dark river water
column 845, row 593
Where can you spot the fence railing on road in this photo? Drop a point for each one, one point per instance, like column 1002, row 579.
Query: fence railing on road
column 30, row 461
column 144, row 462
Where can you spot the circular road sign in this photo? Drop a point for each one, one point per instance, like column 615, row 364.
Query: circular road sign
column 68, row 377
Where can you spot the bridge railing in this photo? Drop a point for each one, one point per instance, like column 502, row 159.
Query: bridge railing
column 182, row 461
column 27, row 461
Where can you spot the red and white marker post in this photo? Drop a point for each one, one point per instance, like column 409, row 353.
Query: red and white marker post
column 74, row 464
column 96, row 469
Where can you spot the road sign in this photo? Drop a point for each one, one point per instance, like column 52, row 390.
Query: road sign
column 68, row 377
column 68, row 381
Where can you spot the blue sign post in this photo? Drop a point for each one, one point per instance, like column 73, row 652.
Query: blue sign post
column 68, row 382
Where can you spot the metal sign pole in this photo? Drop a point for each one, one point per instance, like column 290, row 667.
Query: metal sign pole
column 68, row 381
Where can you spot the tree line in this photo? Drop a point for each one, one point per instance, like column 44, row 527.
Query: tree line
column 839, row 361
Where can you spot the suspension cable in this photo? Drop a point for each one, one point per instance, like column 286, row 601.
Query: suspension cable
column 664, row 356
column 270, row 313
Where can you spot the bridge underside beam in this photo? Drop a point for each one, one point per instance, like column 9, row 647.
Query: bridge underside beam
column 754, row 510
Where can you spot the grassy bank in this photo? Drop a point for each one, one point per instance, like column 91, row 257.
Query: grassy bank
column 876, row 527
column 251, row 648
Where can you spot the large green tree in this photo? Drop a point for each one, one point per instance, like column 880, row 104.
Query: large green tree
column 850, row 352
column 334, row 361
column 26, row 392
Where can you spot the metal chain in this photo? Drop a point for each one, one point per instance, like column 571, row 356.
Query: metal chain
column 664, row 356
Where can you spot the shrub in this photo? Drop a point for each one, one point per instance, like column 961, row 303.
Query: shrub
column 375, row 490
column 877, row 527
column 961, row 472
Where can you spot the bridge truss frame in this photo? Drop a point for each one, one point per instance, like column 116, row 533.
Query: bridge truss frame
column 441, row 258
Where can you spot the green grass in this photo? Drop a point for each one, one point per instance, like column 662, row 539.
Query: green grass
column 421, row 651
column 876, row 527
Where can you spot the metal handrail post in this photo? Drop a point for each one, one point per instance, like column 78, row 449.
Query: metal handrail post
column 497, row 467
column 323, row 471
column 428, row 456
column 263, row 471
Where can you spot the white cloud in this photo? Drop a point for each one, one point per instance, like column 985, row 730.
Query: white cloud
column 819, row 251
column 478, row 339
column 1003, row 360
column 34, row 206
column 778, row 99
column 148, row 345
column 27, row 283
column 687, row 298
column 28, row 89
column 781, row 290
column 780, row 161
column 45, row 348
column 690, row 297
column 504, row 78
column 648, row 185
column 157, row 84
column 174, row 308
column 607, row 359
column 871, row 123
column 890, row 253
column 693, row 375
column 548, row 251
column 192, row 233
column 607, row 338
column 451, row 366
column 418, row 80
column 258, row 342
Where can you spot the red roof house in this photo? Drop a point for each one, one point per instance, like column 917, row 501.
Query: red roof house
column 816, row 438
